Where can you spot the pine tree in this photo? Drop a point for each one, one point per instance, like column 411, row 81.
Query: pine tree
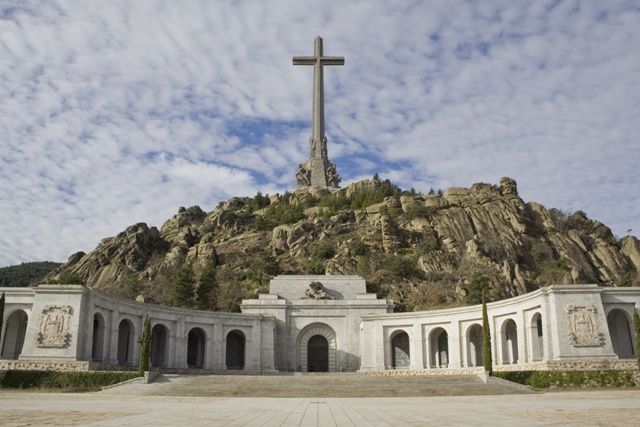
column 486, row 339
column 206, row 286
column 636, row 327
column 183, row 287
column 1, row 312
column 145, row 346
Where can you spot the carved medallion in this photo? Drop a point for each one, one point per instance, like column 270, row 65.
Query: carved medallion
column 54, row 326
column 583, row 327
column 316, row 291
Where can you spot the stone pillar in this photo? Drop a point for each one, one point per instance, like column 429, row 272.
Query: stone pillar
column 218, row 346
column 179, row 345
column 113, row 341
column 454, row 345
column 522, row 338
column 417, row 358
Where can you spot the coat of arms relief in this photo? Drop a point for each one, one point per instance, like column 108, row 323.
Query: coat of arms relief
column 583, row 326
column 54, row 326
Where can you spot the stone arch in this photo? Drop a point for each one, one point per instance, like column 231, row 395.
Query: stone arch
column 14, row 332
column 439, row 344
column 620, row 332
column 400, row 350
column 159, row 345
column 509, row 341
column 235, row 350
column 97, row 338
column 312, row 331
column 475, row 356
column 196, row 344
column 537, row 339
column 126, row 341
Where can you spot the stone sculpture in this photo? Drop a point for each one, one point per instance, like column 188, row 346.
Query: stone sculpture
column 316, row 291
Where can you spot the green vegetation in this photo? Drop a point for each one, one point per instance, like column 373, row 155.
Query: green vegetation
column 546, row 379
column 261, row 269
column 26, row 274
column 554, row 271
column 277, row 214
column 183, row 287
column 399, row 266
column 206, row 286
column 65, row 381
column 357, row 247
column 145, row 346
column 476, row 289
column 313, row 266
column 67, row 278
column 419, row 211
column 486, row 340
column 324, row 249
column 258, row 202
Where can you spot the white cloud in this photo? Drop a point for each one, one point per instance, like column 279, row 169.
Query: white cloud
column 117, row 112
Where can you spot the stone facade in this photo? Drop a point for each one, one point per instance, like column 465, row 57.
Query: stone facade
column 320, row 323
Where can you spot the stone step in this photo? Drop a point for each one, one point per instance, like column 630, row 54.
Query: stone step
column 319, row 385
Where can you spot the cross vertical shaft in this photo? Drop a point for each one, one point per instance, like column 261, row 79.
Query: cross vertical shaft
column 318, row 171
column 317, row 122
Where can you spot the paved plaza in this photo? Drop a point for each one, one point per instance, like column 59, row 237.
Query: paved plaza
column 419, row 401
column 584, row 408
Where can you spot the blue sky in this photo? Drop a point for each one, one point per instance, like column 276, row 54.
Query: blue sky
column 112, row 113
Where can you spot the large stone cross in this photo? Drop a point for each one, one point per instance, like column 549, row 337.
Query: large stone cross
column 318, row 171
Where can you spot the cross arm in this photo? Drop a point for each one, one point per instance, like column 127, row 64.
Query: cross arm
column 304, row 60
column 332, row 60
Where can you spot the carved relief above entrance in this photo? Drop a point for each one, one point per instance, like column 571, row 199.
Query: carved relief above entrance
column 54, row 326
column 583, row 326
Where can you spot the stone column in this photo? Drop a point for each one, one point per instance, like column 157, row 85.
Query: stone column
column 113, row 344
column 179, row 347
column 417, row 357
column 454, row 345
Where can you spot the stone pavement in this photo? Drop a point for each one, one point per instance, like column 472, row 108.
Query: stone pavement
column 582, row 408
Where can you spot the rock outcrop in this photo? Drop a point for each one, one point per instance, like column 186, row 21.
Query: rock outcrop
column 418, row 249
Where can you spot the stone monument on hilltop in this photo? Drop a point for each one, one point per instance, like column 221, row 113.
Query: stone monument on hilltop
column 318, row 171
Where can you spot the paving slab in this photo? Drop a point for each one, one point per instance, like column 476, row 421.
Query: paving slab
column 575, row 408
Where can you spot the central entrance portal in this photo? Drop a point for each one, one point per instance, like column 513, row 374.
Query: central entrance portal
column 318, row 354
column 316, row 345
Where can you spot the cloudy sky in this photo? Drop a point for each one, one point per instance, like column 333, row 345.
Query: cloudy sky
column 118, row 112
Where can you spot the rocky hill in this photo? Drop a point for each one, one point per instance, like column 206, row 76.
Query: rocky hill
column 423, row 251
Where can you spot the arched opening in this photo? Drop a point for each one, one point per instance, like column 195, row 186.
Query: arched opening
column 537, row 343
column 97, row 339
column 159, row 346
column 400, row 351
column 195, row 348
column 316, row 348
column 620, row 333
column 474, row 346
column 439, row 348
column 235, row 350
column 15, row 329
column 509, row 342
column 126, row 340
column 318, row 354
